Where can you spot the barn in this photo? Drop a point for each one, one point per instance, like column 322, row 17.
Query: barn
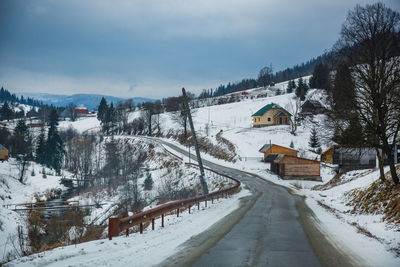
column 81, row 111
column 291, row 167
column 271, row 150
column 271, row 114
column 3, row 153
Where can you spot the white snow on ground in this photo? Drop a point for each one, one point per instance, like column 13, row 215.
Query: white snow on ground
column 138, row 250
column 13, row 192
column 83, row 124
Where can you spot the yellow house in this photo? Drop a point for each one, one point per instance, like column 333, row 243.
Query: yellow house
column 271, row 114
column 3, row 153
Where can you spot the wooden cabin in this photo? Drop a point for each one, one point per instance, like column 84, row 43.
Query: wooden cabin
column 350, row 158
column 270, row 150
column 327, row 155
column 271, row 114
column 311, row 107
column 3, row 153
column 291, row 167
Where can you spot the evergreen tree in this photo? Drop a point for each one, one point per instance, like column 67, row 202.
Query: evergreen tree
column 22, row 148
column 343, row 90
column 102, row 110
column 291, row 85
column 314, row 141
column 320, row 78
column 6, row 112
column 54, row 144
column 301, row 89
column 148, row 182
column 41, row 148
column 291, row 144
column 113, row 161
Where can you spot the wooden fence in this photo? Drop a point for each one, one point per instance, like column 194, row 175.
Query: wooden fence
column 118, row 225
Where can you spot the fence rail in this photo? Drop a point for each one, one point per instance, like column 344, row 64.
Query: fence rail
column 118, row 225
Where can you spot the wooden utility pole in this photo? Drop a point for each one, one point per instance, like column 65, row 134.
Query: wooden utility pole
column 202, row 175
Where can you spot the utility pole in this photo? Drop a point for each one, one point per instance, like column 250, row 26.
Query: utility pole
column 202, row 175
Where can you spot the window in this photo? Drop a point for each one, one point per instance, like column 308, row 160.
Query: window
column 269, row 119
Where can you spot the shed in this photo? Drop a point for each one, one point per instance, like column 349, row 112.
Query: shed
column 312, row 107
column 271, row 114
column 350, row 158
column 3, row 153
column 291, row 167
column 327, row 155
column 268, row 149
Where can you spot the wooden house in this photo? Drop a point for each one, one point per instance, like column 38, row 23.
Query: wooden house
column 350, row 158
column 3, row 153
column 271, row 150
column 291, row 167
column 311, row 107
column 271, row 114
column 327, row 155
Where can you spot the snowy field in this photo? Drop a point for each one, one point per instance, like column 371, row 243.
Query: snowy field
column 84, row 124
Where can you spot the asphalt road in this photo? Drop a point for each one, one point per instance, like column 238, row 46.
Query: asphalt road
column 272, row 227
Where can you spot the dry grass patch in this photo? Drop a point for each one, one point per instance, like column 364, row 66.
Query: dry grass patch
column 378, row 198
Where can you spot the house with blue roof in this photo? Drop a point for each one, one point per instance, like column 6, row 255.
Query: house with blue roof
column 271, row 114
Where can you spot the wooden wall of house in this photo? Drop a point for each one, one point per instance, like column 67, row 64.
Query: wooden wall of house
column 295, row 160
column 327, row 156
column 3, row 154
column 301, row 170
column 268, row 118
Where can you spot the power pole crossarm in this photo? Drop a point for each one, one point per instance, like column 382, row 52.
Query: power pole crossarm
column 202, row 175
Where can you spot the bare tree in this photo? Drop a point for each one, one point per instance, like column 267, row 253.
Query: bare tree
column 294, row 109
column 370, row 42
column 181, row 118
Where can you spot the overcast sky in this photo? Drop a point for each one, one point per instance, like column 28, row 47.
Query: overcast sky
column 154, row 48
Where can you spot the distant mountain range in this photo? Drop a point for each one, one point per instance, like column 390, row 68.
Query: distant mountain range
column 91, row 101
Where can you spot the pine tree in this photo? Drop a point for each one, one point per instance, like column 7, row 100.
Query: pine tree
column 301, row 89
column 6, row 112
column 22, row 148
column 314, row 141
column 291, row 144
column 148, row 182
column 343, row 90
column 41, row 148
column 290, row 86
column 320, row 78
column 102, row 110
column 54, row 144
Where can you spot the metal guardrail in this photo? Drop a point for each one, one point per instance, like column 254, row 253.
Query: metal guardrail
column 118, row 225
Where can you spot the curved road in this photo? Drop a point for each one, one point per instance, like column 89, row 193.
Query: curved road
column 272, row 227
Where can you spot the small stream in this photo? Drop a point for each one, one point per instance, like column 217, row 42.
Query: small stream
column 64, row 196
